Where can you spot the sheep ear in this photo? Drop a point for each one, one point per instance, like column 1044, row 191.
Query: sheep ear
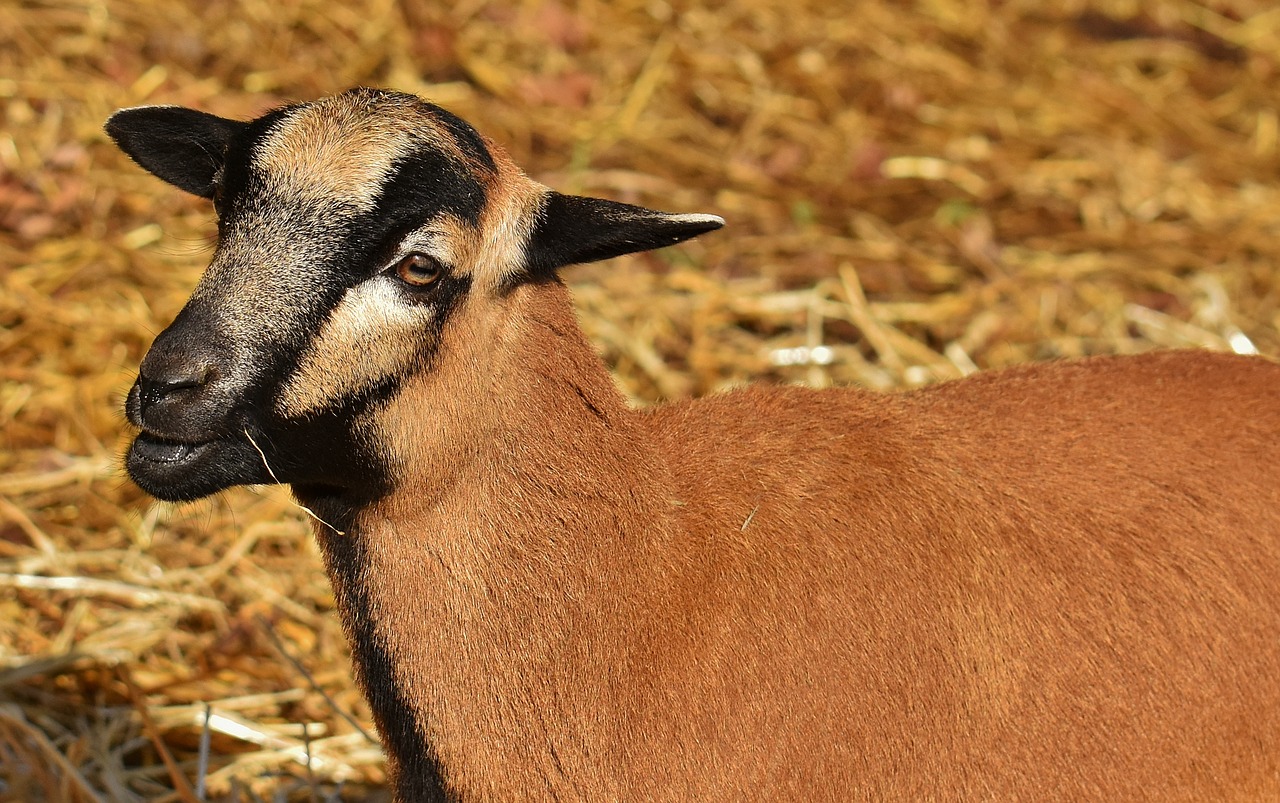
column 184, row 147
column 571, row 229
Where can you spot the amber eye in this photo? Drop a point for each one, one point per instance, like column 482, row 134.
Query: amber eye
column 418, row 270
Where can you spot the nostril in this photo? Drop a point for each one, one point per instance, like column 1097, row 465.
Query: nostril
column 152, row 390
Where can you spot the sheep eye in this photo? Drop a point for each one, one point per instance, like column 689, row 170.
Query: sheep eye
column 419, row 270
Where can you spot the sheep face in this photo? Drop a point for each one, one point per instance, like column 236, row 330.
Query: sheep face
column 353, row 233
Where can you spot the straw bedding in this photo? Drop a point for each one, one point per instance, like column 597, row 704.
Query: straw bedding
column 914, row 190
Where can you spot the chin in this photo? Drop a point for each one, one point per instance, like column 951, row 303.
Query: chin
column 175, row 471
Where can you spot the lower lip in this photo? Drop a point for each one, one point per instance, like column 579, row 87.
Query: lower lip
column 159, row 450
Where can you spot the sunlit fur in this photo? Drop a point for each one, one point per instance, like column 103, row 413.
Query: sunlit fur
column 1053, row 582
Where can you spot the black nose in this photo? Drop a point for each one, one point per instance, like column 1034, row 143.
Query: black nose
column 163, row 387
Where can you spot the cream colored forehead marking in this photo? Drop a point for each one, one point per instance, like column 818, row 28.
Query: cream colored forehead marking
column 340, row 148
column 372, row 334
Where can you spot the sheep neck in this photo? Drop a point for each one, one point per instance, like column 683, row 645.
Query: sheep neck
column 485, row 598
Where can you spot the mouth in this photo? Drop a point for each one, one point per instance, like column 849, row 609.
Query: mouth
column 149, row 448
column 182, row 471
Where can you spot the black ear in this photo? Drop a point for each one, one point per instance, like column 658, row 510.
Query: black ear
column 184, row 147
column 572, row 229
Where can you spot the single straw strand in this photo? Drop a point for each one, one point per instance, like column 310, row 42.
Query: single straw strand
column 302, row 507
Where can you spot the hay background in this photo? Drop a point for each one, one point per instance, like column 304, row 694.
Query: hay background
column 923, row 187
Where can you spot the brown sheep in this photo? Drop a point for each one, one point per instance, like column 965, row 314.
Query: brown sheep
column 1054, row 582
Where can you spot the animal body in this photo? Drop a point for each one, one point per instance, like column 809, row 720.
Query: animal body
column 1052, row 582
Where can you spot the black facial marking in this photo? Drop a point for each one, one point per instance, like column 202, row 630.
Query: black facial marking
column 467, row 138
column 427, row 183
column 423, row 185
column 325, row 450
column 237, row 178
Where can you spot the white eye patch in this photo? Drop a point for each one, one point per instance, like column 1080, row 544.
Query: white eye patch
column 373, row 333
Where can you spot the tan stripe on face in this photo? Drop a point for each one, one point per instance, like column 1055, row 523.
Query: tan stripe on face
column 372, row 334
column 334, row 151
column 506, row 224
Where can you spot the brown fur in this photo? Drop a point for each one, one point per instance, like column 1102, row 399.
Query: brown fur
column 1055, row 582
column 507, row 222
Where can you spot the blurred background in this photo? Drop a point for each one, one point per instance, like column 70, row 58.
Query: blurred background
column 913, row 190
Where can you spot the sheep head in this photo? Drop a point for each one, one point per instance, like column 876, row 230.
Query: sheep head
column 352, row 231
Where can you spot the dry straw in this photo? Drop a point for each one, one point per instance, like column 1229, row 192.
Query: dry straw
column 914, row 191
